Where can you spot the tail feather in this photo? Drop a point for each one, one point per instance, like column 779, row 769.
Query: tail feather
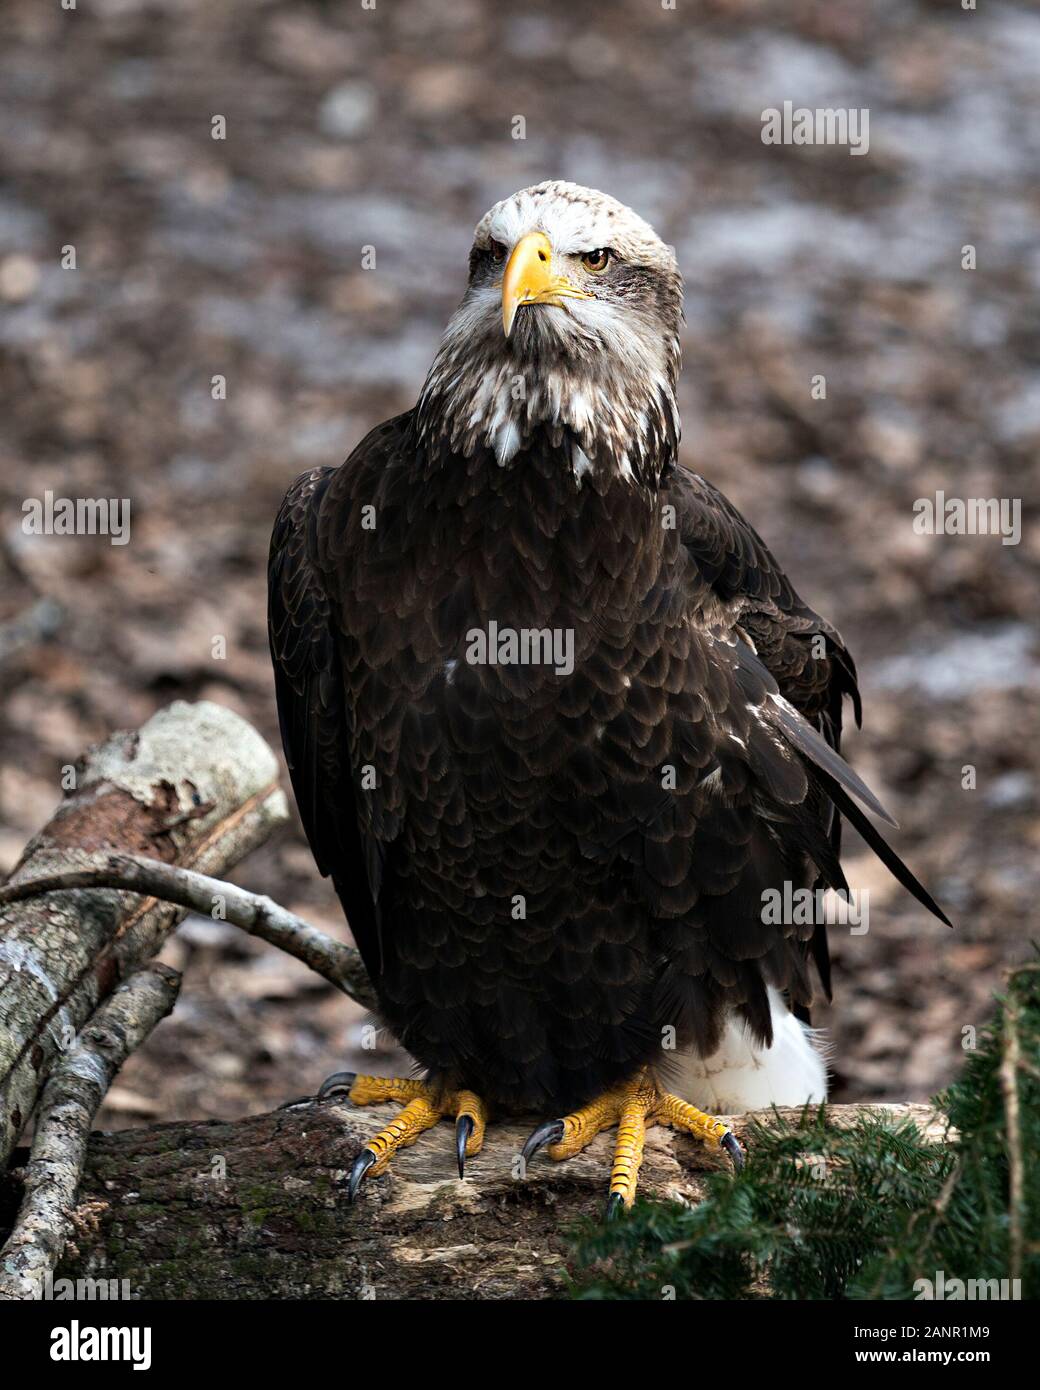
column 742, row 1075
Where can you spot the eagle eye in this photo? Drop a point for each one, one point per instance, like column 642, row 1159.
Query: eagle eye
column 496, row 251
column 598, row 260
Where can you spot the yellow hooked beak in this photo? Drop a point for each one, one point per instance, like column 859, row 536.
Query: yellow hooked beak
column 529, row 278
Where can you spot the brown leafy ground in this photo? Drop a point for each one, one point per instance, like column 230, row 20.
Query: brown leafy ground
column 391, row 128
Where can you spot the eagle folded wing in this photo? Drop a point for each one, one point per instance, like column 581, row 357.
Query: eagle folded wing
column 814, row 675
column 314, row 717
column 797, row 672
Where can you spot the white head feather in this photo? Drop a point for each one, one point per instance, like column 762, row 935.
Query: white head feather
column 601, row 370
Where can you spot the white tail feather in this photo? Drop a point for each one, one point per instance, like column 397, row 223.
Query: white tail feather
column 741, row 1075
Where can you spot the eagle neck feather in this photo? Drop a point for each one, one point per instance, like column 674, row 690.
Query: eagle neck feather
column 468, row 408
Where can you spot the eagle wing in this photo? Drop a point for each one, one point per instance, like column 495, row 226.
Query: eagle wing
column 803, row 653
column 313, row 715
column 800, row 651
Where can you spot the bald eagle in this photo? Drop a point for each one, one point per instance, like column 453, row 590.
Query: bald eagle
column 557, row 722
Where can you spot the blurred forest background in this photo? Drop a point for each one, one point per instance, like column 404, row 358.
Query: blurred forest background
column 392, row 127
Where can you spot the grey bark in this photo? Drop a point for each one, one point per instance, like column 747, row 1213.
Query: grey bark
column 71, row 1097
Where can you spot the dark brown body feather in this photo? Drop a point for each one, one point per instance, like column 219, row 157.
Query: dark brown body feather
column 498, row 785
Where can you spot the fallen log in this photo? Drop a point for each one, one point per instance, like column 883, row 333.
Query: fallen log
column 257, row 1208
column 196, row 786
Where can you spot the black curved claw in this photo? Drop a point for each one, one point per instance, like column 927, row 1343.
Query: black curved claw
column 736, row 1153
column 362, row 1164
column 551, row 1132
column 300, row 1100
column 463, row 1129
column 615, row 1206
column 338, row 1081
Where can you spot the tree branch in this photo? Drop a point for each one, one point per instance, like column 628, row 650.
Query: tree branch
column 256, row 914
column 71, row 1097
column 1010, row 1061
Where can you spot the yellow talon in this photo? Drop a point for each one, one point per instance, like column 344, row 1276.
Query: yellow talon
column 679, row 1114
column 468, row 1105
column 423, row 1107
column 374, row 1090
column 417, row 1117
column 632, row 1108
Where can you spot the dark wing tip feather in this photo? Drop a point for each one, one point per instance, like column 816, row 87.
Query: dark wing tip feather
column 809, row 743
column 884, row 851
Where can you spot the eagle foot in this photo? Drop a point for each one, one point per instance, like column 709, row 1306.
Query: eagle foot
column 632, row 1107
column 423, row 1105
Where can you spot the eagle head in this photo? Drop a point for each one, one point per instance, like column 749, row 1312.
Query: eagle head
column 569, row 327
